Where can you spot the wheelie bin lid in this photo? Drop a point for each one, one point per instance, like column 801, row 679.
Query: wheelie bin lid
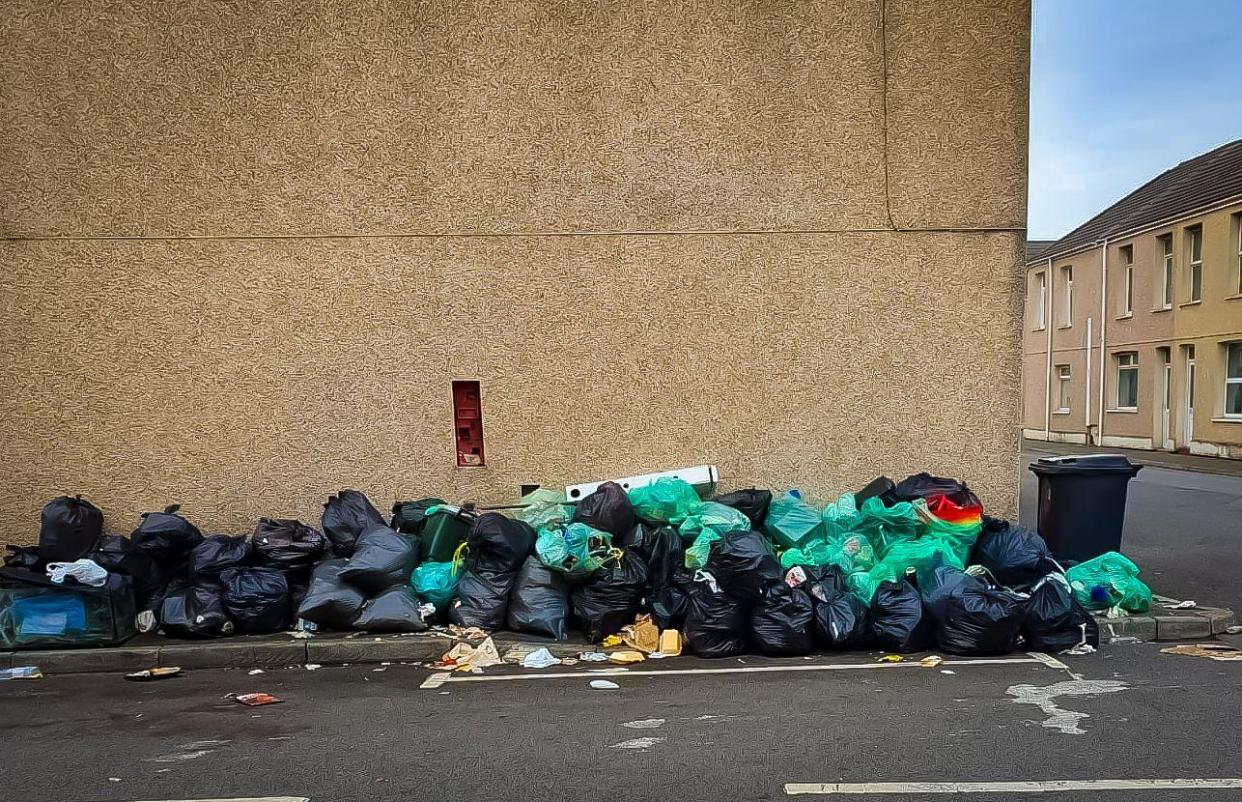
column 1084, row 464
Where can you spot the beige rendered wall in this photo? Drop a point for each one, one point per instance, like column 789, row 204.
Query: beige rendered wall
column 246, row 249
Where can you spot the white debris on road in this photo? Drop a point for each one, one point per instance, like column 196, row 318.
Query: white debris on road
column 1059, row 719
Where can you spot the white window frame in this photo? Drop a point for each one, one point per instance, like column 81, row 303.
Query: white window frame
column 1126, row 361
column 1127, row 284
column 1237, row 276
column 1041, row 300
column 1064, row 374
column 1231, row 381
column 1067, row 296
column 1194, row 267
column 1166, row 292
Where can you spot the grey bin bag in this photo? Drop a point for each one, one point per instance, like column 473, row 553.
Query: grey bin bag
column 539, row 601
column 331, row 602
column 394, row 610
column 382, row 558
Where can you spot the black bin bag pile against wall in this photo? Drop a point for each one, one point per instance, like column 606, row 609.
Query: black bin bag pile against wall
column 117, row 555
column 970, row 617
column 287, row 544
column 167, row 537
column 897, row 620
column 1054, row 621
column 195, row 611
column 840, row 616
column 752, row 503
column 539, row 601
column 345, row 517
column 257, row 600
column 611, row 598
column 608, row 509
column 716, row 621
column 496, row 547
column 1015, row 556
column 781, row 622
column 394, row 610
column 70, row 528
column 218, row 552
column 331, row 602
column 382, row 558
column 743, row 563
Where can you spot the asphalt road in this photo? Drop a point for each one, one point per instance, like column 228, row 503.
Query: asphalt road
column 355, row 733
column 1183, row 529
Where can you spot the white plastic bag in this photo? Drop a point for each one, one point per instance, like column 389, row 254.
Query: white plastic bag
column 86, row 572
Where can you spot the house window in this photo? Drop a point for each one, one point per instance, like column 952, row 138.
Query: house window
column 1041, row 296
column 1127, row 380
column 1237, row 262
column 1067, row 296
column 1127, row 279
column 1233, row 380
column 1063, row 388
column 1194, row 259
column 1166, row 295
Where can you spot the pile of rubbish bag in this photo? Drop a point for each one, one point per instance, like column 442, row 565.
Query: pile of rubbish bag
column 904, row 567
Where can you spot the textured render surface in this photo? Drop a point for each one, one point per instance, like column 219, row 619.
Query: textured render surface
column 154, row 118
column 957, row 112
column 244, row 375
column 255, row 377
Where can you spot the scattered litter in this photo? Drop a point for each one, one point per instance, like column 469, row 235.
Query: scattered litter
column 178, row 757
column 947, row 671
column 645, row 724
column 1233, row 630
column 1212, row 651
column 593, row 657
column 641, row 635
column 466, row 633
column 254, row 699
column 625, row 657
column 1185, row 605
column 378, row 670
column 931, row 661
column 639, row 743
column 21, row 672
column 313, row 666
column 540, row 658
column 148, row 674
column 444, row 693
column 1058, row 719
column 386, row 663
column 1123, row 639
column 657, row 656
column 114, row 779
column 1082, row 648
column 86, row 572
column 604, row 685
column 302, row 634
column 516, row 654
column 255, row 671
column 891, row 658
column 610, row 642
column 569, row 661
column 670, row 642
column 146, row 621
column 464, row 657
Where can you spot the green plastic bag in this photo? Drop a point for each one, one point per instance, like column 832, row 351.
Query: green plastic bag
column 696, row 555
column 851, row 553
column 922, row 555
column 840, row 517
column 544, row 508
column 864, row 584
column 1110, row 580
column 792, row 522
column 885, row 526
column 713, row 517
column 812, row 552
column 959, row 537
column 576, row 550
column 665, row 501
column 435, row 583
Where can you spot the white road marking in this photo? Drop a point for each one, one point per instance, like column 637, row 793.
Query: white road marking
column 639, row 743
column 1052, row 662
column 1031, row 787
column 645, row 724
column 436, row 680
column 240, row 799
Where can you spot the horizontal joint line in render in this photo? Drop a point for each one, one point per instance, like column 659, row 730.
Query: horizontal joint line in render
column 1018, row 787
column 436, row 680
column 507, row 234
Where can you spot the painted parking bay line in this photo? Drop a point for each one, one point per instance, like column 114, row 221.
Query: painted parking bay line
column 440, row 678
column 241, row 799
column 1026, row 787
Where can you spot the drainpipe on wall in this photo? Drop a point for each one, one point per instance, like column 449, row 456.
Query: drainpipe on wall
column 1048, row 315
column 1087, row 405
column 1099, row 429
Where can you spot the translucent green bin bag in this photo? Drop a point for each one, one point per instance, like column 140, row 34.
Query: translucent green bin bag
column 545, row 508
column 840, row 517
column 665, row 501
column 696, row 555
column 1110, row 580
column 575, row 550
column 922, row 555
column 863, row 584
column 812, row 552
column 791, row 522
column 713, row 517
column 886, row 526
column 36, row 613
column 959, row 537
column 435, row 583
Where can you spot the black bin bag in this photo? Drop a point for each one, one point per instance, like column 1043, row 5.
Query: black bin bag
column 669, row 603
column 194, row 611
column 1055, row 621
column 409, row 517
column 117, row 555
column 70, row 529
column 752, row 503
column 382, row 558
column 1016, row 557
column 897, row 620
column 539, row 601
column 394, row 610
column 167, row 537
column 331, row 602
column 608, row 509
column 257, row 600
column 840, row 616
column 346, row 516
column 970, row 617
column 924, row 485
column 218, row 552
column 287, row 544
column 743, row 563
column 781, row 622
column 611, row 598
column 716, row 621
column 496, row 548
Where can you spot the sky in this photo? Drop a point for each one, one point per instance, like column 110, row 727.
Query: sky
column 1122, row 90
